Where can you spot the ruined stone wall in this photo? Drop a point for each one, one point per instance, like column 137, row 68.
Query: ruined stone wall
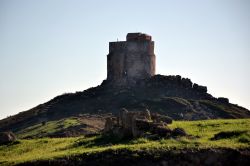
column 129, row 61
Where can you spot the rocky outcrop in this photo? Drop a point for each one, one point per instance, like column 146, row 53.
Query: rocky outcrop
column 202, row 89
column 223, row 100
column 161, row 118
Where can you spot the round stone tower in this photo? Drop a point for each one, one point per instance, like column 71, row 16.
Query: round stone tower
column 131, row 60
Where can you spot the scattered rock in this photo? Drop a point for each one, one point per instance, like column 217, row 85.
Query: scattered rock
column 7, row 137
column 179, row 132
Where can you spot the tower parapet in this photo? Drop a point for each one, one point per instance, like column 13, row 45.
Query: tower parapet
column 131, row 60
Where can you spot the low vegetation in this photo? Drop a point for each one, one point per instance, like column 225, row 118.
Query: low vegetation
column 84, row 124
column 204, row 134
column 45, row 129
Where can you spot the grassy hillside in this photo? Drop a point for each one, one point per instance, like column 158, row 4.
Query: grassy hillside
column 84, row 124
column 233, row 134
column 49, row 128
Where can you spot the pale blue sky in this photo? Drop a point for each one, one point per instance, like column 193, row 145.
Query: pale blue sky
column 48, row 47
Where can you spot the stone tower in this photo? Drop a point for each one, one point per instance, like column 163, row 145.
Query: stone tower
column 131, row 60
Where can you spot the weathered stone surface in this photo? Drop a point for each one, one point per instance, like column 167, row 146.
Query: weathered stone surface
column 109, row 125
column 178, row 78
column 123, row 118
column 179, row 132
column 147, row 114
column 161, row 130
column 131, row 60
column 138, row 37
column 186, row 82
column 139, row 124
column 161, row 118
column 202, row 89
column 223, row 100
column 7, row 137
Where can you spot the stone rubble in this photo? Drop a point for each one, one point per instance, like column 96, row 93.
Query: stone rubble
column 139, row 124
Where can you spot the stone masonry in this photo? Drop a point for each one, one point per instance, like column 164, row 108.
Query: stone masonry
column 131, row 60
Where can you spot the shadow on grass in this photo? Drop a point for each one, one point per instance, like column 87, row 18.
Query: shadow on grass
column 10, row 143
column 242, row 136
column 101, row 140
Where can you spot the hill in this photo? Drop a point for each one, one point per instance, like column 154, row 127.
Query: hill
column 211, row 142
column 173, row 96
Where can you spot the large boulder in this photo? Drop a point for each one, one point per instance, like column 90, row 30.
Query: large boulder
column 7, row 137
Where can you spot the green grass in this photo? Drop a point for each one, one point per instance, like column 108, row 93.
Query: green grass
column 206, row 129
column 202, row 133
column 40, row 130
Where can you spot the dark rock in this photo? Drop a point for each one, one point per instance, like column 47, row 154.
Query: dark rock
column 43, row 123
column 161, row 130
column 187, row 83
column 161, row 118
column 199, row 88
column 7, row 137
column 179, row 132
column 140, row 126
column 178, row 78
column 227, row 134
column 223, row 100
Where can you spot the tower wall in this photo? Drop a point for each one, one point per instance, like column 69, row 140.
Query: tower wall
column 129, row 61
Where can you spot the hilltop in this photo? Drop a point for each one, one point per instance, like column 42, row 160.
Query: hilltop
column 84, row 112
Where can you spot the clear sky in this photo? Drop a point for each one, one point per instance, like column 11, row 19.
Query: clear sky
column 49, row 47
